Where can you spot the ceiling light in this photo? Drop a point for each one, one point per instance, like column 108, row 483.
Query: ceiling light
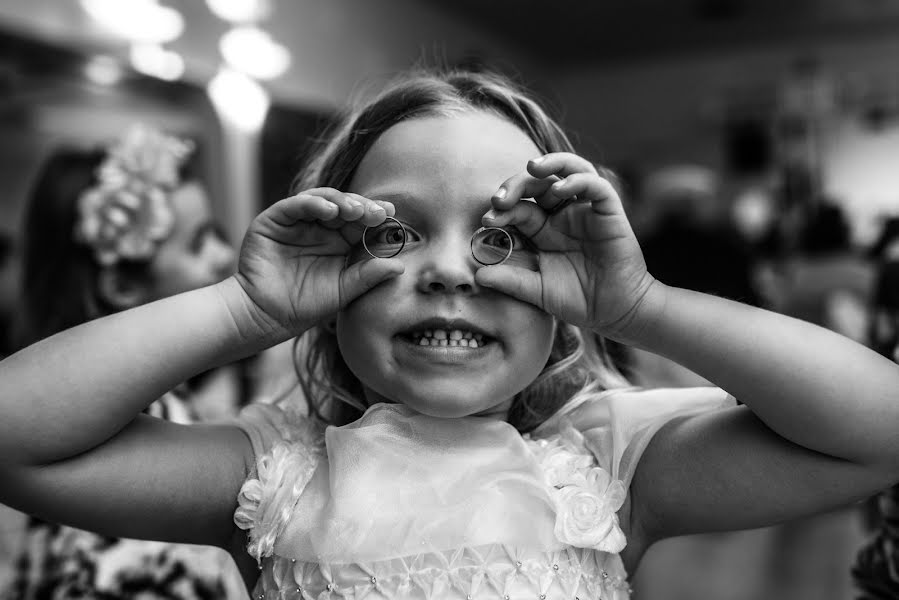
column 240, row 11
column 239, row 99
column 252, row 51
column 156, row 61
column 136, row 20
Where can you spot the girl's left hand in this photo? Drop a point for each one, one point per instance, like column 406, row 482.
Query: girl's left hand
column 591, row 269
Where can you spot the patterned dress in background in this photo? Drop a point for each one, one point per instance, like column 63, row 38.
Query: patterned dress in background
column 876, row 570
column 63, row 563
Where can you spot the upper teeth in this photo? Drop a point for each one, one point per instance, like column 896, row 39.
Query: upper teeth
column 448, row 337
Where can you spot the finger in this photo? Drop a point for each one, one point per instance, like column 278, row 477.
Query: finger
column 302, row 207
column 358, row 278
column 560, row 164
column 588, row 186
column 374, row 211
column 526, row 216
column 523, row 284
column 350, row 208
column 388, row 207
column 523, row 185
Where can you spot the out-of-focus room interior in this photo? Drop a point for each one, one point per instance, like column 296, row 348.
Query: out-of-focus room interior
column 755, row 144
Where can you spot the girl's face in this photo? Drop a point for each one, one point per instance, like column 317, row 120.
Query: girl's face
column 440, row 172
column 194, row 254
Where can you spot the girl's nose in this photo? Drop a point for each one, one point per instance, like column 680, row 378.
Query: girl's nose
column 449, row 268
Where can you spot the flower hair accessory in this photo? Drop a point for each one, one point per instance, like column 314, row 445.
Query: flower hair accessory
column 128, row 212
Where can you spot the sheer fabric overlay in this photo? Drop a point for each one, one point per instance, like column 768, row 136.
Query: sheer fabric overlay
column 403, row 505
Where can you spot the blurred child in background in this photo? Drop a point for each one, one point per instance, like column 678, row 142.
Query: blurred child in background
column 105, row 231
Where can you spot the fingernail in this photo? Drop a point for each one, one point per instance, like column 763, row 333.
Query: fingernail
column 500, row 193
column 538, row 160
column 376, row 209
column 489, row 216
column 354, row 203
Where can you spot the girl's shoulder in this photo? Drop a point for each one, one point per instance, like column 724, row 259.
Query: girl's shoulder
column 287, row 445
column 617, row 405
column 617, row 425
column 268, row 425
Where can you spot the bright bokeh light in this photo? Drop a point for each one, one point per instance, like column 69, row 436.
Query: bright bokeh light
column 143, row 21
column 156, row 61
column 240, row 11
column 103, row 70
column 252, row 51
column 239, row 99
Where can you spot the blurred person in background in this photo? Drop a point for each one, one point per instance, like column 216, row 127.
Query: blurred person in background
column 9, row 285
column 876, row 567
column 883, row 330
column 105, row 231
column 688, row 241
column 807, row 268
column 817, row 276
column 701, row 239
column 9, row 275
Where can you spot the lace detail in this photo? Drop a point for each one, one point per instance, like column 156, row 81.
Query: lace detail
column 586, row 497
column 493, row 572
column 266, row 502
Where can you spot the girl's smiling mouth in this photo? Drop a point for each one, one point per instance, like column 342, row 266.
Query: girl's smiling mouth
column 447, row 333
column 446, row 340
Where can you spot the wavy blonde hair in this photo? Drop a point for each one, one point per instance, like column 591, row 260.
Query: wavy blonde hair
column 578, row 363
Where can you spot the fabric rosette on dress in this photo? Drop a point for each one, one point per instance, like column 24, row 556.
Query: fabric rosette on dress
column 266, row 501
column 586, row 497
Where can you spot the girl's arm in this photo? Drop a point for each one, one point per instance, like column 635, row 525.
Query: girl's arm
column 823, row 411
column 73, row 391
column 73, row 447
column 814, row 387
column 822, row 431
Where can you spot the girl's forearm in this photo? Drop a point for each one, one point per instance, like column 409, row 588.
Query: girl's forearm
column 810, row 385
column 71, row 392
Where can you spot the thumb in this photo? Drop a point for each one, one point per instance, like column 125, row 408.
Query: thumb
column 523, row 284
column 357, row 279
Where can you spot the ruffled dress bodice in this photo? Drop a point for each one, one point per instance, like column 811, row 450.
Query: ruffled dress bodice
column 399, row 505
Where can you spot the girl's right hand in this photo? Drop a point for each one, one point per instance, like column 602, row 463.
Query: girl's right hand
column 293, row 264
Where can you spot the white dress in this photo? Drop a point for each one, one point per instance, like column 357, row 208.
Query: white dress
column 399, row 505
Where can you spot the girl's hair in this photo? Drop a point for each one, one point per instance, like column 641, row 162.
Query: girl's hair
column 578, row 363
column 60, row 275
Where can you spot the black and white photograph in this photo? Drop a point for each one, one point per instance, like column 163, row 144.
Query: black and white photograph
column 449, row 300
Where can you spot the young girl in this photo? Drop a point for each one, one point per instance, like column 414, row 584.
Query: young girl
column 104, row 231
column 496, row 455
